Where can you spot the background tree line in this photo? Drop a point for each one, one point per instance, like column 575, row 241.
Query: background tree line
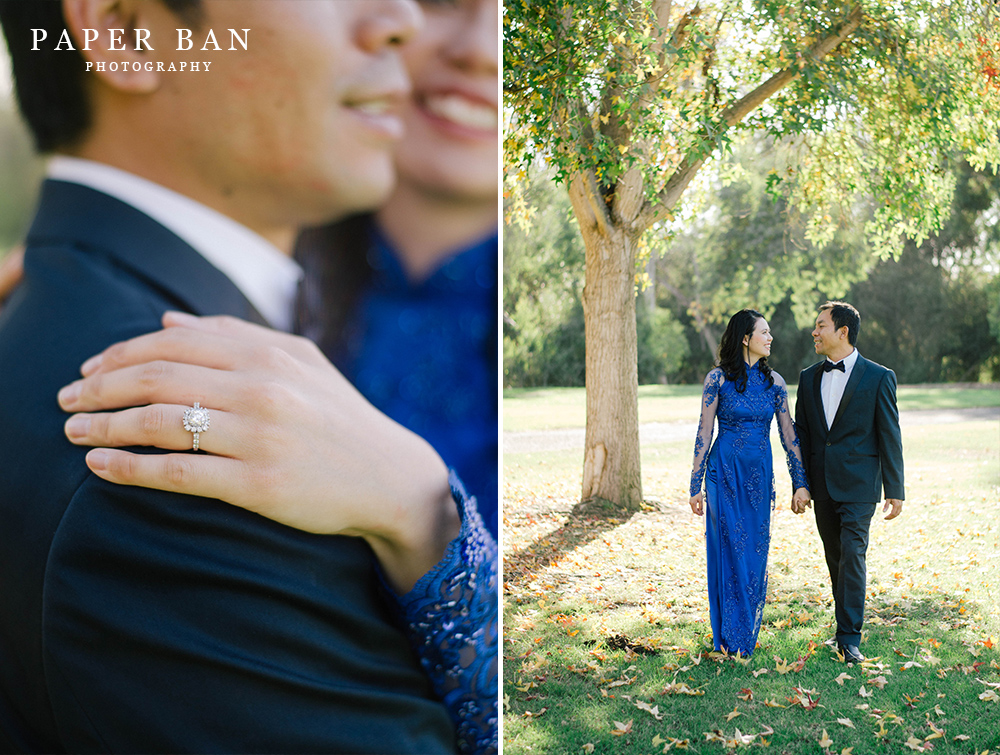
column 932, row 314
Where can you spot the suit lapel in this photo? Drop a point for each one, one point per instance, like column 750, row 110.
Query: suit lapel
column 817, row 396
column 856, row 374
column 136, row 242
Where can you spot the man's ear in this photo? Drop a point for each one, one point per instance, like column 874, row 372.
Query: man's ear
column 104, row 33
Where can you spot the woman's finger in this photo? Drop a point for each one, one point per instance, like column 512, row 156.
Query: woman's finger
column 152, row 383
column 182, row 345
column 193, row 474
column 244, row 332
column 159, row 425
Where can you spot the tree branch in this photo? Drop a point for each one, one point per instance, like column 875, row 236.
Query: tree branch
column 588, row 204
column 664, row 202
column 817, row 51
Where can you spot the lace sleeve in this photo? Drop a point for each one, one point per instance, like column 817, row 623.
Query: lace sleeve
column 451, row 619
column 789, row 438
column 703, row 440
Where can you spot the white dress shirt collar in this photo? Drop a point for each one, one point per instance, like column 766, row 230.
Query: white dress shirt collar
column 265, row 276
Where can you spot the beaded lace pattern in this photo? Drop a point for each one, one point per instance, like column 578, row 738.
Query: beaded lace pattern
column 451, row 618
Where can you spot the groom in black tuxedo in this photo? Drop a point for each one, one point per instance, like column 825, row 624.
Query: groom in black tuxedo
column 848, row 426
column 135, row 620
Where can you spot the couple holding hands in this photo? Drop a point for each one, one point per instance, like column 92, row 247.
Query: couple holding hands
column 843, row 448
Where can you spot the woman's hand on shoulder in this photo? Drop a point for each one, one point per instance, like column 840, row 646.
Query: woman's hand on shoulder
column 289, row 437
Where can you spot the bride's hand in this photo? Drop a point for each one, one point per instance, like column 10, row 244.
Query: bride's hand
column 697, row 503
column 289, row 437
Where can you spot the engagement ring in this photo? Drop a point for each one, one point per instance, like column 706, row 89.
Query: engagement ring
column 196, row 421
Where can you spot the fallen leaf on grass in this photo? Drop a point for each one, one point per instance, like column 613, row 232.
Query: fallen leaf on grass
column 863, row 692
column 825, row 740
column 911, row 664
column 842, row 678
column 847, row 751
column 621, row 729
column 962, row 738
column 990, row 696
column 760, row 671
column 845, row 722
column 653, row 710
column 740, row 739
column 911, row 700
column 588, row 748
column 804, row 697
column 774, row 704
column 680, row 688
column 878, row 681
column 746, row 694
column 539, row 714
column 915, row 744
column 733, row 714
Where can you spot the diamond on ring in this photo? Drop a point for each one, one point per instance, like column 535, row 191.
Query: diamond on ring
column 196, row 420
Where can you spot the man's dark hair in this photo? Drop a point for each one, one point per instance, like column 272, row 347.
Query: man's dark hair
column 49, row 83
column 843, row 314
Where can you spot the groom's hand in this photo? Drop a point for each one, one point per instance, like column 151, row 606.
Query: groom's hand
column 800, row 501
column 896, row 505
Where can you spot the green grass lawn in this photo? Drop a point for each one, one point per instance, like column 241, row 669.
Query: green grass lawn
column 606, row 637
column 551, row 408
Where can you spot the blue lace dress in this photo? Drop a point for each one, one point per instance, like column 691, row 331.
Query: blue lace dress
column 425, row 354
column 451, row 620
column 739, row 496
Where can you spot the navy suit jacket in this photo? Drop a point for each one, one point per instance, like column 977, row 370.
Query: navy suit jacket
column 142, row 621
column 862, row 451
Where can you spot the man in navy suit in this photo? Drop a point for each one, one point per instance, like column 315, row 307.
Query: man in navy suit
column 135, row 620
column 848, row 426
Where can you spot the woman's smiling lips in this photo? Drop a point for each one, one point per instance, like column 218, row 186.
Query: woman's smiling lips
column 465, row 112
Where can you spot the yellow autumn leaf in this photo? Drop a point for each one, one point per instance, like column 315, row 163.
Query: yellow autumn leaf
column 733, row 714
column 825, row 740
column 845, row 722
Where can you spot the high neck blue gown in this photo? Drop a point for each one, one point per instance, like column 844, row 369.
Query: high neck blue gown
column 739, row 496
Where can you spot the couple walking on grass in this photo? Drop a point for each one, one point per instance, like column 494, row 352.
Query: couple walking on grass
column 843, row 448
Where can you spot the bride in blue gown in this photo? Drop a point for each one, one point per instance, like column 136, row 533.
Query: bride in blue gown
column 744, row 394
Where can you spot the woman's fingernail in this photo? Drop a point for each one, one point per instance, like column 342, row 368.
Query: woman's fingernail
column 91, row 365
column 69, row 394
column 98, row 460
column 78, row 426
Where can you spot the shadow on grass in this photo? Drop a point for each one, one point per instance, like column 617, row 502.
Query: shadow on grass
column 587, row 521
column 569, row 684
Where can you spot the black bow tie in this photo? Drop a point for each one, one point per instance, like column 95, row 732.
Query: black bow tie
column 828, row 366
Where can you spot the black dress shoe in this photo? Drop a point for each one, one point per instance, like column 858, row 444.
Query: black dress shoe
column 852, row 654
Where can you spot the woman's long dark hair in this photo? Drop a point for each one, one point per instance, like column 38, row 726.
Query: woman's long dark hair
column 335, row 260
column 731, row 349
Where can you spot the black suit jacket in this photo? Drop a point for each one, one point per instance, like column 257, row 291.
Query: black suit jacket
column 141, row 621
column 862, row 452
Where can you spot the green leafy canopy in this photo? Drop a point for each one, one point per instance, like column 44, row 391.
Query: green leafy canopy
column 873, row 98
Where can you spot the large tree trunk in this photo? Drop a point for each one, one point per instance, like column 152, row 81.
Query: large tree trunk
column 611, row 467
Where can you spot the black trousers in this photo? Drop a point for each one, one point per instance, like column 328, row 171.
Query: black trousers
column 843, row 528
